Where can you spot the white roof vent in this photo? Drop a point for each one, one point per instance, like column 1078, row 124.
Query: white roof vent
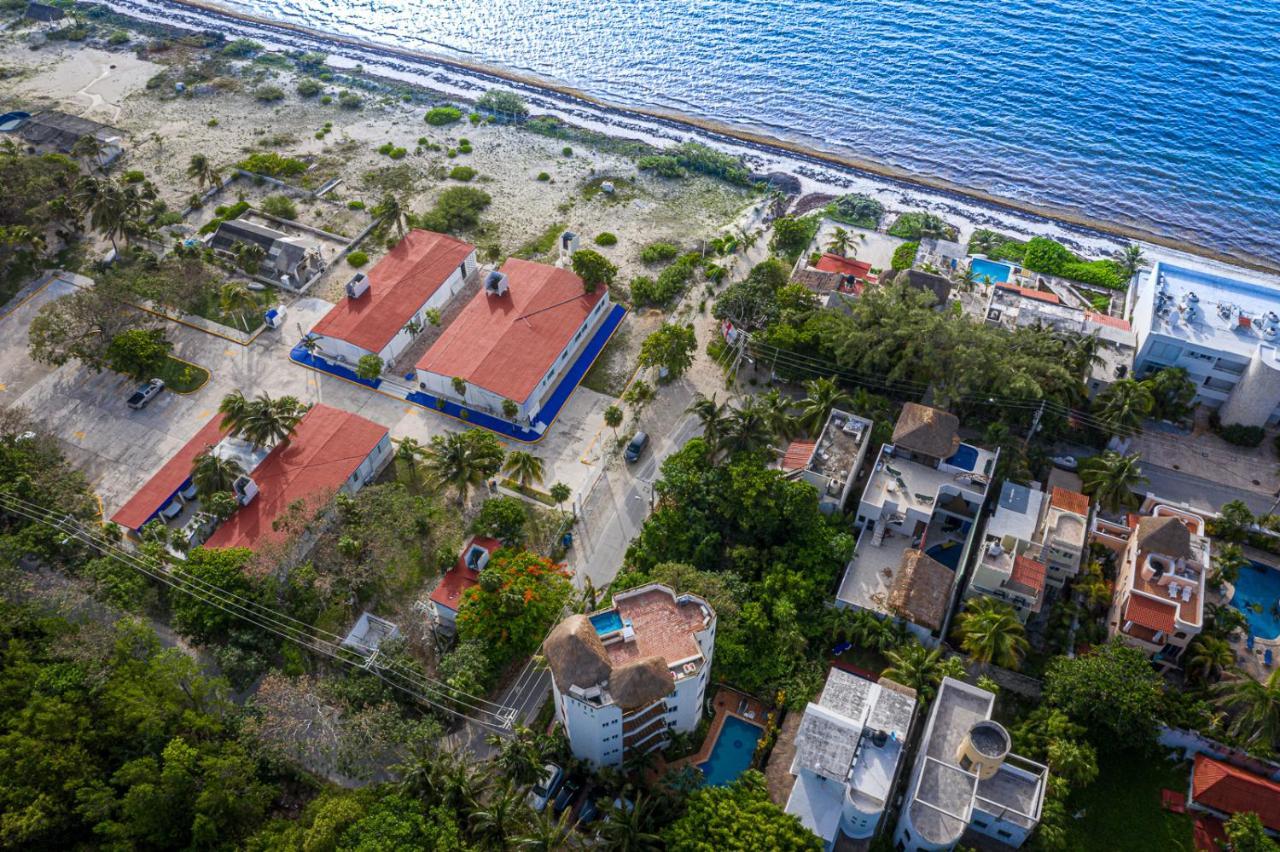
column 245, row 489
column 496, row 283
column 357, row 286
column 568, row 243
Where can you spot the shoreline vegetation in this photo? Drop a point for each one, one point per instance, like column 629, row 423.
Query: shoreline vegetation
column 717, row 132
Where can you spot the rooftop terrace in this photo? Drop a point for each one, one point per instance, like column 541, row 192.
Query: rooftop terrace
column 913, row 485
column 659, row 625
column 1210, row 310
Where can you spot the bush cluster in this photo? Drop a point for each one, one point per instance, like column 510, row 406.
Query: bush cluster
column 442, row 115
column 669, row 284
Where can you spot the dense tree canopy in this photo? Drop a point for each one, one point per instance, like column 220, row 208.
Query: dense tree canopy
column 519, row 596
column 1113, row 691
column 739, row 816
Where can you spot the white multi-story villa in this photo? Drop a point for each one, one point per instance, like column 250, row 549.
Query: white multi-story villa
column 1222, row 330
column 624, row 677
column 831, row 463
column 848, row 755
column 966, row 779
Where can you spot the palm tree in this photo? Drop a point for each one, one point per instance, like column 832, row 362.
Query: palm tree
column 1110, row 478
column 613, row 419
column 629, row 829
column 90, row 149
column 1124, row 405
column 103, row 202
column 212, row 474
column 202, row 171
column 237, row 299
column 519, row 756
column 991, row 633
column 524, row 467
column 840, row 242
column 550, row 833
column 776, row 410
column 391, row 211
column 1130, row 260
column 823, row 395
column 408, row 456
column 966, row 280
column 271, row 421
column 1209, row 657
column 461, row 462
column 1255, row 707
column 503, row 817
column 747, row 431
column 234, row 409
column 714, row 417
column 918, row 667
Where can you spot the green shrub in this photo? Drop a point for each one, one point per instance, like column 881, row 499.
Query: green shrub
column 1242, row 436
column 451, row 153
column 857, row 209
column 914, row 226
column 457, row 209
column 567, row 151
column 462, row 173
column 268, row 94
column 658, row 252
column 134, row 176
column 442, row 115
column 118, row 38
column 326, row 99
column 504, row 102
column 1100, row 273
column 272, row 164
column 357, row 258
column 1044, row 255
column 669, row 284
column 349, row 100
column 309, row 88
column 240, row 48
column 355, row 205
column 606, row 239
column 280, row 205
column 662, row 165
column 464, row 147
column 543, row 176
column 475, row 118
column 397, row 153
column 904, row 255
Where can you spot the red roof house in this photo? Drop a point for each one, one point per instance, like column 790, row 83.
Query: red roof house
column 1154, row 615
column 401, row 285
column 163, row 486
column 1069, row 501
column 448, row 595
column 1227, row 790
column 1028, row 575
column 798, row 454
column 843, row 265
column 507, row 344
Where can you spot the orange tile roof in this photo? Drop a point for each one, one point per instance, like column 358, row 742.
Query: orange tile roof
column 1107, row 319
column 399, row 285
column 506, row 344
column 1233, row 790
column 1071, row 501
column 1150, row 613
column 324, row 451
column 798, row 454
column 161, row 487
column 843, row 265
column 663, row 628
column 1028, row 573
column 1031, row 293
column 461, row 576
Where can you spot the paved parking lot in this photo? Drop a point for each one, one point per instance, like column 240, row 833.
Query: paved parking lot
column 119, row 449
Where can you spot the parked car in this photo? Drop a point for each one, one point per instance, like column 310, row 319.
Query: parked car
column 145, row 394
column 1065, row 462
column 569, row 791
column 636, row 447
column 590, row 810
column 546, row 787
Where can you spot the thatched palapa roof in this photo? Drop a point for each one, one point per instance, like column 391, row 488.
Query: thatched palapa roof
column 576, row 655
column 927, row 431
column 921, row 589
column 641, row 682
column 1164, row 535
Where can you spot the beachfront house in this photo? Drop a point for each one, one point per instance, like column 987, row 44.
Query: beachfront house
column 386, row 308
column 833, row 278
column 966, row 779
column 58, row 132
column 287, row 259
column 1164, row 557
column 514, row 341
column 1222, row 330
column 917, row 519
column 625, row 677
column 848, row 756
column 831, row 463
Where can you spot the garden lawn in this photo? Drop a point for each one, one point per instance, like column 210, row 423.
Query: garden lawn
column 211, row 309
column 1122, row 807
column 182, row 376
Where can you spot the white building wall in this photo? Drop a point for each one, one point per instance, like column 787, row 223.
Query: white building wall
column 369, row 468
column 857, row 821
column 1252, row 402
column 595, row 733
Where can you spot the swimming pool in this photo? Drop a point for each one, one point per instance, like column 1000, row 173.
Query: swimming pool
column 607, row 622
column 947, row 552
column 964, row 458
column 989, row 271
column 1259, row 586
column 732, row 753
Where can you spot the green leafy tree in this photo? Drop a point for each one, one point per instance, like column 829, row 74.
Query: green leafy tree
column 1044, row 255
column 461, row 461
column 456, row 210
column 1112, row 691
column 504, row 102
column 1246, row 833
column 991, row 633
column 638, row 395
column 738, row 816
column 1171, row 393
column 670, row 348
column 369, row 367
column 593, row 268
column 203, row 622
column 1110, row 479
column 792, row 235
column 213, row 474
column 520, row 756
column 503, row 518
column 1233, row 522
column 138, row 353
column 524, row 467
column 519, row 596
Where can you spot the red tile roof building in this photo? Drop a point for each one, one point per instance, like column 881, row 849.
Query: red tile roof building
column 843, row 266
column 447, row 596
column 798, row 455
column 1228, row 790
column 423, row 271
column 331, row 450
column 514, row 346
column 1070, row 501
column 1028, row 575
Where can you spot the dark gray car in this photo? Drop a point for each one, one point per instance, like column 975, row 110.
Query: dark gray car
column 636, row 447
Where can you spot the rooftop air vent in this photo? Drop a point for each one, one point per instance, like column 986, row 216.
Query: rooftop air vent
column 568, row 243
column 496, row 283
column 357, row 286
column 245, row 489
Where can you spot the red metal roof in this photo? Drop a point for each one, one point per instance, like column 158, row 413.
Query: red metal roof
column 152, row 496
column 1071, row 501
column 798, row 454
column 1107, row 319
column 399, row 284
column 1032, row 293
column 506, row 344
column 1150, row 613
column 1233, row 790
column 1028, row 573
column 460, row 577
column 843, row 265
column 324, row 451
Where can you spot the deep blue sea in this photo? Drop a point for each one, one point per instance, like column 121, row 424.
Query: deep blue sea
column 1163, row 114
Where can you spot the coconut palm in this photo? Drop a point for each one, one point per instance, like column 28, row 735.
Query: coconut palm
column 823, row 394
column 90, row 149
column 391, row 211
column 234, row 409
column 212, row 474
column 747, row 431
column 1123, row 406
column 714, row 417
column 238, row 300
column 1255, row 708
column 524, row 467
column 500, row 819
column 1130, row 260
column 463, row 460
column 271, row 421
column 991, row 633
column 776, row 410
column 966, row 280
column 1110, row 478
column 613, row 419
column 519, row 756
column 550, row 833
column 839, row 242
column 630, row 829
column 918, row 667
column 105, row 206
column 408, row 458
column 1209, row 657
column 202, row 171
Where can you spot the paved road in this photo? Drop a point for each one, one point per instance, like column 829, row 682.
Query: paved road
column 1200, row 493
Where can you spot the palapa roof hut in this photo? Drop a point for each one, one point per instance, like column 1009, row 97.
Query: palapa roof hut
column 927, row 431
column 921, row 589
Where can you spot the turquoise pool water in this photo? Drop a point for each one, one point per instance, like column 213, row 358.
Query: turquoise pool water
column 964, row 458
column 731, row 755
column 948, row 553
column 990, row 271
column 1259, row 584
column 607, row 622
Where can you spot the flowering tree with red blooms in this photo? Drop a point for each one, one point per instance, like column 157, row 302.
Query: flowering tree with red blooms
column 519, row 596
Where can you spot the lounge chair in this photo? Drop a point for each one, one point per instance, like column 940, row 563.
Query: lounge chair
column 1266, row 658
column 1186, row 594
column 1248, row 643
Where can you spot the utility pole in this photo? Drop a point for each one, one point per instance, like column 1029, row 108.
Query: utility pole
column 1035, row 424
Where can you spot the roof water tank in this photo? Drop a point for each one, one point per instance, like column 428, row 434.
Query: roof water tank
column 496, row 283
column 357, row 286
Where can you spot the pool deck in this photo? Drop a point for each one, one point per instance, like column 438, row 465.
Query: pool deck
column 1251, row 662
column 727, row 702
